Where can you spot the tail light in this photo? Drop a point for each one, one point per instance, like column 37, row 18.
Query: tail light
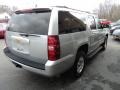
column 53, row 47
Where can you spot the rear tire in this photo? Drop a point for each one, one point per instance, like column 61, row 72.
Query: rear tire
column 104, row 45
column 79, row 64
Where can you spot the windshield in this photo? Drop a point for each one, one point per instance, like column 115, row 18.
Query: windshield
column 30, row 23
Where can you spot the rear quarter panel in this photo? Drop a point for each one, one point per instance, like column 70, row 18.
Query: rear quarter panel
column 79, row 39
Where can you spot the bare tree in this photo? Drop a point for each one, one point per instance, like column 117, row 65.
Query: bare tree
column 109, row 10
column 9, row 10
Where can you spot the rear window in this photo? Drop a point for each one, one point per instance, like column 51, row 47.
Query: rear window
column 30, row 23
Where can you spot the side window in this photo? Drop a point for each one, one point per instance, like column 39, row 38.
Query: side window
column 92, row 23
column 78, row 22
column 68, row 23
column 64, row 22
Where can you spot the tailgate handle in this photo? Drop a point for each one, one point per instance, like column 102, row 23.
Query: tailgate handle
column 26, row 35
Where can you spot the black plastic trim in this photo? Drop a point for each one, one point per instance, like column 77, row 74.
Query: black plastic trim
column 23, row 61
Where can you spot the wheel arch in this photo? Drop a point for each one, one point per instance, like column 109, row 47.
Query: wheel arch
column 83, row 47
column 106, row 35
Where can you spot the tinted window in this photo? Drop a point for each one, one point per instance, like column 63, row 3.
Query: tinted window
column 64, row 22
column 92, row 22
column 79, row 21
column 68, row 23
column 30, row 23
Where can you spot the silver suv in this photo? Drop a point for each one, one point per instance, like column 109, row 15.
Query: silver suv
column 50, row 41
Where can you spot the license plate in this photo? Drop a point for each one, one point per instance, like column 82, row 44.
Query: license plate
column 20, row 44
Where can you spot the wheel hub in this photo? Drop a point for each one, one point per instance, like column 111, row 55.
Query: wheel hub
column 80, row 65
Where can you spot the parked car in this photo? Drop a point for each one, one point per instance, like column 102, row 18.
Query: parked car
column 117, row 23
column 116, row 34
column 3, row 24
column 50, row 41
column 106, row 23
column 2, row 30
column 113, row 28
column 4, row 20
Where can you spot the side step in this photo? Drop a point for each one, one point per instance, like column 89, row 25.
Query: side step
column 94, row 52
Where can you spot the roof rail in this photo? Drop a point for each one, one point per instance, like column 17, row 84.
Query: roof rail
column 60, row 6
column 71, row 9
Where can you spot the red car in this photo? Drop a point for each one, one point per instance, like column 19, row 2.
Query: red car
column 2, row 30
column 105, row 22
column 2, row 33
column 3, row 24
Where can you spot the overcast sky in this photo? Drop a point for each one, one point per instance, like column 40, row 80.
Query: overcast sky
column 86, row 5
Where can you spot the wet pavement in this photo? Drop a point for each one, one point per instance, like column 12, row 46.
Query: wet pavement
column 102, row 73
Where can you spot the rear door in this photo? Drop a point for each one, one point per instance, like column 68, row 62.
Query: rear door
column 94, row 33
column 102, row 32
column 66, row 42
column 27, row 35
column 72, row 32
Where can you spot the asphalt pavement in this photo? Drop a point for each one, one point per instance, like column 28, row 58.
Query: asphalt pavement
column 102, row 73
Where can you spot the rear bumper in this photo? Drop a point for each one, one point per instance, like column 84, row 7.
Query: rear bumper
column 52, row 68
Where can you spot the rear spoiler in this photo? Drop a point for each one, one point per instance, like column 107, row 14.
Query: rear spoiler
column 36, row 10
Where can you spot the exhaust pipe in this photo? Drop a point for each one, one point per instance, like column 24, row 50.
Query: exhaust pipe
column 17, row 65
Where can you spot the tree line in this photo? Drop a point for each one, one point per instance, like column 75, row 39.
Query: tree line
column 7, row 9
column 109, row 10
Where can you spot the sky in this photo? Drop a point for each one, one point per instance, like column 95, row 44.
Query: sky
column 85, row 5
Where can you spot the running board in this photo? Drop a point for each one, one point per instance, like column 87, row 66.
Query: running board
column 94, row 52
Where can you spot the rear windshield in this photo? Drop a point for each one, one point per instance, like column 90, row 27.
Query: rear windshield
column 30, row 23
